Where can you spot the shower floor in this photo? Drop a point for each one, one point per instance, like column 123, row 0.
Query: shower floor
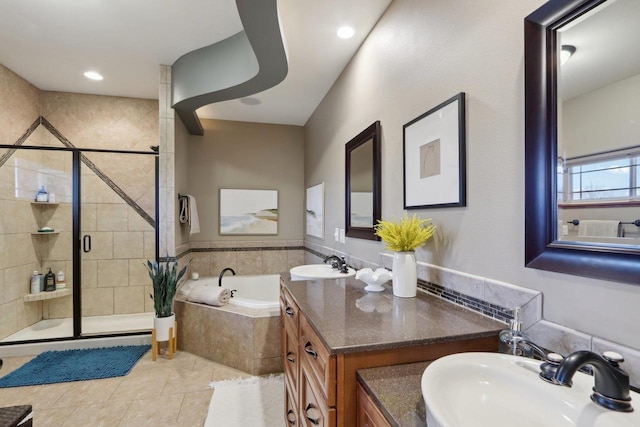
column 94, row 325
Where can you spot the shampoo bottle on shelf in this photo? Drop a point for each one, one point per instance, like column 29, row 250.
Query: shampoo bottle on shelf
column 42, row 195
column 35, row 283
column 50, row 281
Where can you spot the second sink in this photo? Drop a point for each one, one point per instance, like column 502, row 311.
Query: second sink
column 318, row 271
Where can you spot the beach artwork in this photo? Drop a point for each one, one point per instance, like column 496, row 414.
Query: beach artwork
column 315, row 211
column 248, row 211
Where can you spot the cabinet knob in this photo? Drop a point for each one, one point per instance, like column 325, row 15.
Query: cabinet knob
column 291, row 417
column 315, row 421
column 308, row 350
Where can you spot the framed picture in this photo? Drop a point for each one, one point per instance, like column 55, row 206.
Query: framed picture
column 434, row 167
column 315, row 211
column 248, row 212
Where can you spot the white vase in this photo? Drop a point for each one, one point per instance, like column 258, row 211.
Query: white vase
column 405, row 277
column 162, row 325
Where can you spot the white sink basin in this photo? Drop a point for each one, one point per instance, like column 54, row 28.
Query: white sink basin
column 318, row 271
column 495, row 390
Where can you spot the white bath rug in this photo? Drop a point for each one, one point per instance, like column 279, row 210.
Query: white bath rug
column 255, row 402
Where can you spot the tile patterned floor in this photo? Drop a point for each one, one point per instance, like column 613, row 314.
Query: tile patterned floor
column 161, row 393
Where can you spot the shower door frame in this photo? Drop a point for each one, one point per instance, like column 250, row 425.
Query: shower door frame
column 76, row 183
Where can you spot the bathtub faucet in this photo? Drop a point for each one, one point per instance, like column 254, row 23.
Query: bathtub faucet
column 337, row 262
column 224, row 270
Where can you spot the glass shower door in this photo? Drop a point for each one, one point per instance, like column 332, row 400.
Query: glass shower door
column 117, row 236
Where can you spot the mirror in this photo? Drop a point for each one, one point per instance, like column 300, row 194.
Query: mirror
column 362, row 177
column 582, row 139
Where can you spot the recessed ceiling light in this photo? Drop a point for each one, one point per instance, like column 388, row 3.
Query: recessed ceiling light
column 346, row 32
column 93, row 75
column 250, row 101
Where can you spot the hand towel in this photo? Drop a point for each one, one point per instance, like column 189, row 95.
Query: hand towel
column 210, row 295
column 194, row 222
column 598, row 228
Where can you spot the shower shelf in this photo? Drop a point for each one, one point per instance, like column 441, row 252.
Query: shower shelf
column 45, row 232
column 40, row 296
column 45, row 203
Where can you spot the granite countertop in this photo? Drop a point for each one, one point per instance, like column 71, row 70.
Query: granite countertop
column 349, row 319
column 396, row 391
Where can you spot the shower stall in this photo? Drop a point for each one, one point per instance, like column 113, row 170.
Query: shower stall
column 95, row 228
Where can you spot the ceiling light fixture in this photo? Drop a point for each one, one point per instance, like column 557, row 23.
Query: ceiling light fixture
column 346, row 32
column 93, row 75
column 566, row 52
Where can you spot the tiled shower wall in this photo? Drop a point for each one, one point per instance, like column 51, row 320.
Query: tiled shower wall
column 115, row 280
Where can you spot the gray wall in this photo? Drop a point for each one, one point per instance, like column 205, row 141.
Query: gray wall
column 243, row 155
column 418, row 55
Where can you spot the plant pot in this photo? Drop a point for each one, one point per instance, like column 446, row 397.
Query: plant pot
column 405, row 277
column 162, row 325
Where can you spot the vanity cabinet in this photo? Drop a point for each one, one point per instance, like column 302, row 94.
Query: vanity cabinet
column 368, row 413
column 326, row 339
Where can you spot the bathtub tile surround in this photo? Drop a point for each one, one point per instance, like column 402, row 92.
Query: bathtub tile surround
column 239, row 337
column 245, row 257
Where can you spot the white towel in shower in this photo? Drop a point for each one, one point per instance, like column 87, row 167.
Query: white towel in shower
column 598, row 228
column 194, row 222
column 210, row 295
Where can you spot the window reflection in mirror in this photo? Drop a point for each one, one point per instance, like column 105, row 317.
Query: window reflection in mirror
column 362, row 177
column 598, row 109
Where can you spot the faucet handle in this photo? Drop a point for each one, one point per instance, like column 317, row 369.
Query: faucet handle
column 554, row 358
column 613, row 358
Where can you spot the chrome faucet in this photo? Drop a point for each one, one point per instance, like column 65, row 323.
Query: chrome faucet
column 337, row 263
column 611, row 389
column 224, row 270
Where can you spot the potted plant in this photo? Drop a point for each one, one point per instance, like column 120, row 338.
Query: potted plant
column 403, row 237
column 165, row 278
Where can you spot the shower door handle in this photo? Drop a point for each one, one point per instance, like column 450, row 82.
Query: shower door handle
column 86, row 243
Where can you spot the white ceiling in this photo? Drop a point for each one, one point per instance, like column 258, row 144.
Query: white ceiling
column 51, row 43
column 607, row 42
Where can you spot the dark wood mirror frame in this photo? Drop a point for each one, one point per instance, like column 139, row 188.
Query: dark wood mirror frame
column 542, row 250
column 372, row 133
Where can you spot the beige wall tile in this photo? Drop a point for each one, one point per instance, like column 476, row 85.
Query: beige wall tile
column 112, row 217
column 136, row 223
column 20, row 249
column 17, row 282
column 60, row 246
column 274, row 262
column 97, row 301
column 249, row 262
column 266, row 337
column 8, row 319
column 113, row 273
column 89, row 216
column 201, row 263
column 221, row 260
column 101, row 246
column 294, row 258
column 148, row 300
column 59, row 308
column 89, row 274
column 150, row 245
column 18, row 217
column 128, row 300
column 28, row 313
column 128, row 244
column 138, row 273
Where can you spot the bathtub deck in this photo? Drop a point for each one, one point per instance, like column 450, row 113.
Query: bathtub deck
column 239, row 337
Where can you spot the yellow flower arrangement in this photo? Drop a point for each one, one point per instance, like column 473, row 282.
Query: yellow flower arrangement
column 405, row 235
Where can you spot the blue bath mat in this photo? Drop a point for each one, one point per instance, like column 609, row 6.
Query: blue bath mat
column 53, row 367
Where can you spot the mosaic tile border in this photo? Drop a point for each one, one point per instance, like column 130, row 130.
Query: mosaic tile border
column 239, row 249
column 491, row 310
column 119, row 191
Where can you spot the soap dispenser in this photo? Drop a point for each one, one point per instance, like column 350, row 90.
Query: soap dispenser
column 510, row 339
column 50, row 281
